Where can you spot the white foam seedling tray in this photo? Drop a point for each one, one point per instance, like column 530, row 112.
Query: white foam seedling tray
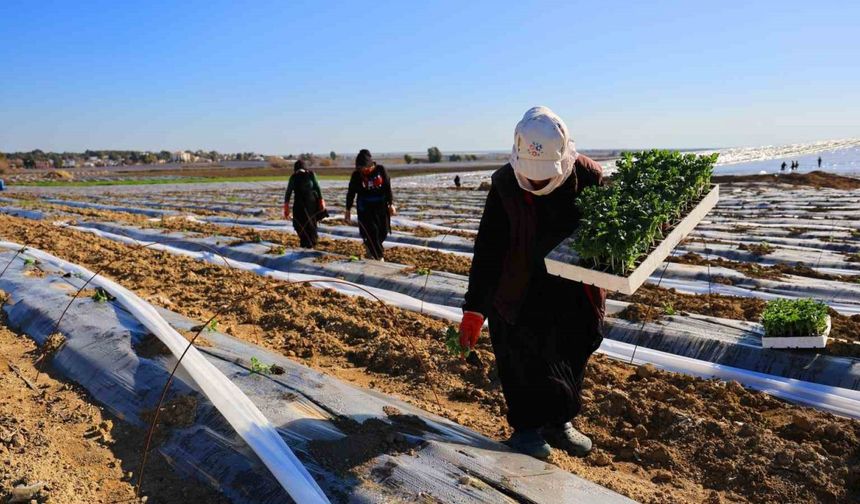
column 798, row 341
column 559, row 261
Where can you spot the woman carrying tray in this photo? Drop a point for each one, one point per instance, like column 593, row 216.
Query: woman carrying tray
column 371, row 187
column 309, row 205
column 543, row 328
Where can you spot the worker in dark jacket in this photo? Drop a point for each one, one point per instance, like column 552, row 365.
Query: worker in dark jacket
column 543, row 328
column 371, row 187
column 309, row 205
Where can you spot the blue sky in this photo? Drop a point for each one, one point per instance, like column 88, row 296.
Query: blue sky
column 285, row 77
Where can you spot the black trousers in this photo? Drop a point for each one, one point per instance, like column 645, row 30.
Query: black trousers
column 541, row 366
column 373, row 226
column 305, row 224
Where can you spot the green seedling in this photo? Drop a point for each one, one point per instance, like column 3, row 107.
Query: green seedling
column 257, row 239
column 452, row 341
column 668, row 309
column 258, row 367
column 29, row 261
column 354, row 258
column 624, row 220
column 278, row 250
column 423, row 271
column 102, row 296
column 212, row 326
column 794, row 317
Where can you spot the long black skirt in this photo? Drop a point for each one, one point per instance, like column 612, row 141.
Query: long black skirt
column 305, row 224
column 541, row 366
column 373, row 226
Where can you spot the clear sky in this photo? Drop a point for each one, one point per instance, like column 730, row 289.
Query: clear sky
column 289, row 76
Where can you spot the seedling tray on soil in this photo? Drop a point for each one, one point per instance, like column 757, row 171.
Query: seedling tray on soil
column 819, row 341
column 562, row 260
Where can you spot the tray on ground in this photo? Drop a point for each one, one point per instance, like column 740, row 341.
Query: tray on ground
column 819, row 341
column 561, row 261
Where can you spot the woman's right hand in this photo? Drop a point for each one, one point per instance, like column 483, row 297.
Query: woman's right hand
column 347, row 215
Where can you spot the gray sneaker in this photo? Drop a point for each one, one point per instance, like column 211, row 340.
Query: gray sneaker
column 566, row 437
column 530, row 442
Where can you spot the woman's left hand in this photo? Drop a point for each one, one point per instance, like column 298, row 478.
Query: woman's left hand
column 392, row 210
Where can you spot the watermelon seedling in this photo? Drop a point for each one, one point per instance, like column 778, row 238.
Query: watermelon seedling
column 623, row 221
column 794, row 317
column 102, row 296
column 258, row 367
column 452, row 341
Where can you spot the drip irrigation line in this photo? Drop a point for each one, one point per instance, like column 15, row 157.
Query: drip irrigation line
column 647, row 315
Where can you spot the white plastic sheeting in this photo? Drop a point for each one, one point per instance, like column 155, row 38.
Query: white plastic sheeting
column 841, row 401
column 838, row 400
column 387, row 296
column 234, row 405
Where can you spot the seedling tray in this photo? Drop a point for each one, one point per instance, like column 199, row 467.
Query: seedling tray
column 561, row 261
column 819, row 341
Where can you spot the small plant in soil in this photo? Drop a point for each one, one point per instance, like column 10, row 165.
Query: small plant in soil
column 794, row 317
column 102, row 296
column 278, row 250
column 624, row 220
column 354, row 258
column 29, row 261
column 452, row 341
column 423, row 271
column 212, row 326
column 258, row 367
column 668, row 309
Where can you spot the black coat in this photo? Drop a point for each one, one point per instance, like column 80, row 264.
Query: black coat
column 517, row 230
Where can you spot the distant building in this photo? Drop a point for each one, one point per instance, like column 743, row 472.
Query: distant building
column 43, row 165
column 70, row 163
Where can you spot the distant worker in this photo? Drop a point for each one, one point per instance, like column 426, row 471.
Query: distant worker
column 309, row 206
column 543, row 328
column 457, row 181
column 819, row 162
column 783, row 166
column 370, row 188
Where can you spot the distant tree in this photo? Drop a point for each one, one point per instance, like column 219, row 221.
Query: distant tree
column 149, row 158
column 29, row 163
column 434, row 155
column 4, row 164
column 165, row 155
column 278, row 162
column 455, row 157
column 407, row 158
column 332, row 155
column 308, row 158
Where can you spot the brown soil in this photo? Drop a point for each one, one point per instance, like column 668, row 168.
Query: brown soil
column 715, row 305
column 812, row 179
column 755, row 270
column 55, row 436
column 660, row 437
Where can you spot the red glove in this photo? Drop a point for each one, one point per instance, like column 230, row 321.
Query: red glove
column 286, row 210
column 470, row 328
